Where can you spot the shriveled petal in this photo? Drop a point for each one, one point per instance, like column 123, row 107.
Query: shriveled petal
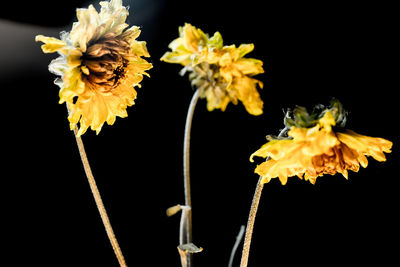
column 84, row 30
column 278, row 169
column 369, row 146
column 327, row 121
column 131, row 34
column 247, row 93
column 216, row 40
column 249, row 66
column 244, row 49
column 58, row 66
column 214, row 102
column 139, row 49
column 51, row 44
column 276, row 149
column 113, row 16
column 72, row 85
column 177, row 58
column 194, row 38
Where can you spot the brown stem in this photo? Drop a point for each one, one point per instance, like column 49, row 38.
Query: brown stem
column 98, row 200
column 250, row 223
column 252, row 216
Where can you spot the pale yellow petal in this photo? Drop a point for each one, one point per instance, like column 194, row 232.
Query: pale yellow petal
column 51, row 44
column 249, row 66
column 244, row 49
column 85, row 29
column 140, row 49
column 72, row 85
column 194, row 38
column 216, row 40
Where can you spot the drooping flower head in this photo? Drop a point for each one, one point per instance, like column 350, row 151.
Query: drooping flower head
column 313, row 148
column 221, row 73
column 100, row 63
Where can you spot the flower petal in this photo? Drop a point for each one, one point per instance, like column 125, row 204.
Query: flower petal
column 370, row 146
column 51, row 44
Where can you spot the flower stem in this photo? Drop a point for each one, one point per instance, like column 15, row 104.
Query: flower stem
column 236, row 245
column 186, row 169
column 250, row 224
column 99, row 202
column 252, row 216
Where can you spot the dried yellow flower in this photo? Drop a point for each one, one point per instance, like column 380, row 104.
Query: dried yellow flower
column 100, row 63
column 221, row 73
column 314, row 151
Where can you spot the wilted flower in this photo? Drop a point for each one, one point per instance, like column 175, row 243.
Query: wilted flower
column 221, row 73
column 99, row 65
column 313, row 148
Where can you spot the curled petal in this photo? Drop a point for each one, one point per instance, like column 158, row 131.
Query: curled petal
column 51, row 44
column 244, row 49
column 247, row 93
column 194, row 38
column 369, row 146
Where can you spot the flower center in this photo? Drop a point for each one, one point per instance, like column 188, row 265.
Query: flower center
column 104, row 63
column 206, row 76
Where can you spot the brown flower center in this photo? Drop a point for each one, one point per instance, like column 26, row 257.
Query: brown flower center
column 106, row 62
column 338, row 159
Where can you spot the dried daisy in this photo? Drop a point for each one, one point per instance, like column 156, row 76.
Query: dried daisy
column 316, row 144
column 315, row 147
column 100, row 63
column 221, row 73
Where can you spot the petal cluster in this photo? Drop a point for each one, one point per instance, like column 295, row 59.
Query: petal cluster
column 100, row 62
column 313, row 152
column 221, row 73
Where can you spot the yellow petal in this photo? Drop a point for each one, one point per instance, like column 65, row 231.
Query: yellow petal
column 245, row 49
column 74, row 58
column 327, row 121
column 193, row 38
column 247, row 93
column 369, row 146
column 140, row 49
column 51, row 44
column 216, row 40
column 84, row 30
column 249, row 66
column 275, row 149
column 131, row 34
column 175, row 57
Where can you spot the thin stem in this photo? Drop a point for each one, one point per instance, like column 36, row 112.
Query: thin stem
column 250, row 223
column 186, row 167
column 252, row 216
column 185, row 212
column 236, row 245
column 99, row 202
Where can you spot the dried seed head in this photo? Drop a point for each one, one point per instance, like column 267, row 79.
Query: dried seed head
column 104, row 63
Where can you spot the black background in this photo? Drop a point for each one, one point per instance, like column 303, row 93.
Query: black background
column 311, row 52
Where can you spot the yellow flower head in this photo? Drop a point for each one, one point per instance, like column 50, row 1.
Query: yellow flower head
column 100, row 63
column 313, row 148
column 221, row 73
